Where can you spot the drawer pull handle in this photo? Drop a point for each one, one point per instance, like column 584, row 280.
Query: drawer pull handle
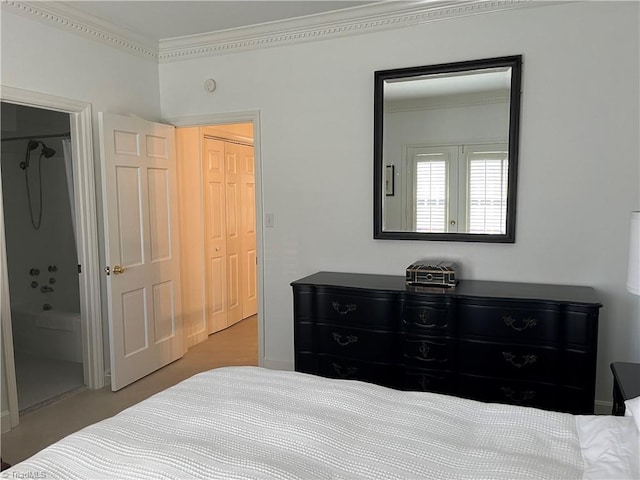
column 514, row 397
column 425, row 382
column 423, row 318
column 348, row 339
column 344, row 309
column 424, row 349
column 344, row 372
column 526, row 359
column 527, row 323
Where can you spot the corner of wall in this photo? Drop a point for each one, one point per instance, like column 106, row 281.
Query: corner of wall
column 603, row 408
column 277, row 365
column 6, row 421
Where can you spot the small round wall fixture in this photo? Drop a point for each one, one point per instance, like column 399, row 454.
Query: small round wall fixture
column 209, row 84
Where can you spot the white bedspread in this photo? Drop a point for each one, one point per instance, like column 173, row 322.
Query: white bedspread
column 248, row 422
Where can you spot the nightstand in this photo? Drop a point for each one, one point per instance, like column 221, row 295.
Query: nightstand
column 626, row 384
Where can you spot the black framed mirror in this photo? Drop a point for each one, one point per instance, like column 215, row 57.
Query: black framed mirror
column 446, row 151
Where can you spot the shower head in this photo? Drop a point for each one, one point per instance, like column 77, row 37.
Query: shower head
column 46, row 151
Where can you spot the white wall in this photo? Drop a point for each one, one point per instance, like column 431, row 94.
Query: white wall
column 45, row 59
column 578, row 170
column 41, row 58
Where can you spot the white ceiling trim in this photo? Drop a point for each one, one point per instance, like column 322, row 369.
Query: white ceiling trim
column 322, row 26
column 61, row 16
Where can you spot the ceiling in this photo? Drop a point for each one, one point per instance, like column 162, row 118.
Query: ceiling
column 156, row 20
column 455, row 83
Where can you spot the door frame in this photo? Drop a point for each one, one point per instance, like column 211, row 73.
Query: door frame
column 252, row 116
column 86, row 240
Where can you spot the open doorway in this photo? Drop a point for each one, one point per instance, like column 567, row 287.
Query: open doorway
column 42, row 258
column 219, row 262
column 77, row 116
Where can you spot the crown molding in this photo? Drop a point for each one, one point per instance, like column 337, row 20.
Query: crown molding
column 453, row 101
column 379, row 16
column 64, row 16
column 356, row 20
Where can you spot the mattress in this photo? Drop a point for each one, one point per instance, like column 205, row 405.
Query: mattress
column 254, row 423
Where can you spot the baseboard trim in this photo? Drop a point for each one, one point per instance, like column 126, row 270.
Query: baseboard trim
column 277, row 364
column 603, row 408
column 6, row 421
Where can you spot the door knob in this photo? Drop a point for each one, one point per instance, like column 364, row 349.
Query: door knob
column 117, row 269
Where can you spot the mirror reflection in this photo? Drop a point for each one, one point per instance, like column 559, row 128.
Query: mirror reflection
column 446, row 148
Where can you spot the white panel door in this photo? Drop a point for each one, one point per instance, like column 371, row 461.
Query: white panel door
column 141, row 245
column 249, row 252
column 215, row 234
column 233, row 200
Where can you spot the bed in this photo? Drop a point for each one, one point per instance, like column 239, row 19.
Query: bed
column 255, row 423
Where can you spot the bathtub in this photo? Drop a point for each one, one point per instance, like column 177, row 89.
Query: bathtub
column 47, row 333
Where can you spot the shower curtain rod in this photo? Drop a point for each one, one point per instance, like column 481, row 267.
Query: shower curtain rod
column 35, row 137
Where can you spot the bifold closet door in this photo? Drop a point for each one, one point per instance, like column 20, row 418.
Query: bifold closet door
column 249, row 262
column 216, row 233
column 242, row 295
column 233, row 199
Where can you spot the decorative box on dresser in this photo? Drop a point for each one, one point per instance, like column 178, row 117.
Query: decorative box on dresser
column 517, row 343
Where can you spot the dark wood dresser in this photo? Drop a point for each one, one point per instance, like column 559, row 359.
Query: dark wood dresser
column 518, row 343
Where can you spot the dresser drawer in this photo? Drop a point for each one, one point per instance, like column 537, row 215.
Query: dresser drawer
column 343, row 308
column 510, row 361
column 582, row 326
column 428, row 352
column 354, row 342
column 580, row 369
column 520, row 323
column 528, row 394
column 350, row 369
column 428, row 318
column 303, row 335
column 438, row 381
column 306, row 362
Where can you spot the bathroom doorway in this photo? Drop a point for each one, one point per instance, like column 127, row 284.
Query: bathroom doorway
column 42, row 256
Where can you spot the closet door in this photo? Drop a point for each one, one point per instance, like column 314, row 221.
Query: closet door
column 233, row 184
column 215, row 210
column 249, row 259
